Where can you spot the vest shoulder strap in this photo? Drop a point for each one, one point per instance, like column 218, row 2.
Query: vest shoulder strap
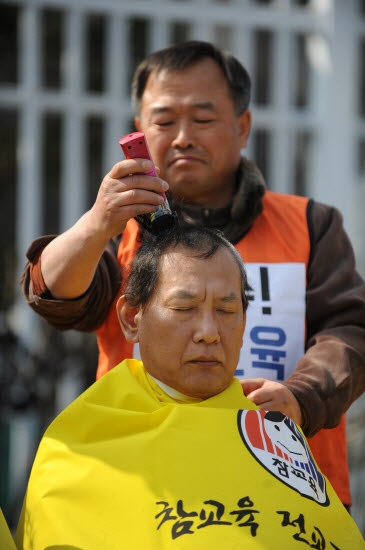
column 280, row 233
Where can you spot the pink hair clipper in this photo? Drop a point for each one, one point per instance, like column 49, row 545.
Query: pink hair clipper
column 134, row 145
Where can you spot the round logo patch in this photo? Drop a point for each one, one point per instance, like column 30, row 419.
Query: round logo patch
column 275, row 441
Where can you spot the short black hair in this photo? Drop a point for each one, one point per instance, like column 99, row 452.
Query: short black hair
column 183, row 55
column 203, row 241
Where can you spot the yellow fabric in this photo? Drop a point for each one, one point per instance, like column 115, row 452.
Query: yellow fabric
column 6, row 540
column 121, row 469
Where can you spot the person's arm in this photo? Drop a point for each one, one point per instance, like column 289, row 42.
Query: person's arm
column 331, row 374
column 71, row 280
column 69, row 261
column 86, row 312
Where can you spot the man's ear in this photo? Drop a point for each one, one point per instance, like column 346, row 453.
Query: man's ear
column 137, row 123
column 244, row 126
column 128, row 319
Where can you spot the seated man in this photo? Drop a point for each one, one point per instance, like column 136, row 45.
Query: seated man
column 167, row 452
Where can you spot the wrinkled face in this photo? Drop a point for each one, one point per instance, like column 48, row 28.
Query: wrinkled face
column 190, row 333
column 193, row 133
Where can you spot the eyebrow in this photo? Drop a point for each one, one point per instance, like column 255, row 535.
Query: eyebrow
column 205, row 105
column 186, row 295
column 183, row 294
column 230, row 298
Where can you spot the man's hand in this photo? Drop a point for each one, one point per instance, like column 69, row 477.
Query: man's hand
column 123, row 194
column 272, row 396
column 69, row 261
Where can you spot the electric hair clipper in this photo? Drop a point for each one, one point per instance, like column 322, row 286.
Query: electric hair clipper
column 134, row 145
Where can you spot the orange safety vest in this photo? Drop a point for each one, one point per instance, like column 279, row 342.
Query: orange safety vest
column 279, row 235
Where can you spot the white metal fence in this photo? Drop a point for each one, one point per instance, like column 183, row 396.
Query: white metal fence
column 305, row 57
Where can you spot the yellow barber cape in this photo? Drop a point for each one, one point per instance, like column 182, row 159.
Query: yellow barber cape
column 6, row 540
column 125, row 467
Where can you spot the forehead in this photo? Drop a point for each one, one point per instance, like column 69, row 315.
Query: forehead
column 180, row 268
column 203, row 81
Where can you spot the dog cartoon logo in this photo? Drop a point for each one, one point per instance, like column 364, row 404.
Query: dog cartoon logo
column 275, row 441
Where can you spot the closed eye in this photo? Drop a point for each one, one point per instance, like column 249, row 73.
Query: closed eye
column 164, row 123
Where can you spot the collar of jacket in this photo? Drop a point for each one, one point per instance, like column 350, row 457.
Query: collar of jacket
column 236, row 218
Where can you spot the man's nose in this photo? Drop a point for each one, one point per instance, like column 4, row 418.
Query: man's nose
column 184, row 137
column 206, row 330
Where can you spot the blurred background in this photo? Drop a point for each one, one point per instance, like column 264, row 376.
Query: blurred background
column 65, row 70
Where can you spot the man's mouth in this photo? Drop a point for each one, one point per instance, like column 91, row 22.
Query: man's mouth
column 183, row 160
column 205, row 361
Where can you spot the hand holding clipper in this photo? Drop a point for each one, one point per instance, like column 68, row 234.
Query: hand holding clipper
column 134, row 145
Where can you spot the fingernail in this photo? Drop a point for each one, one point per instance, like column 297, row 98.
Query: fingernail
column 146, row 163
column 165, row 185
